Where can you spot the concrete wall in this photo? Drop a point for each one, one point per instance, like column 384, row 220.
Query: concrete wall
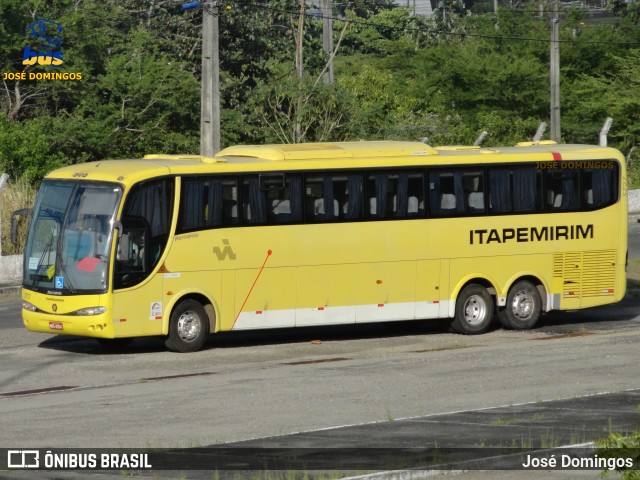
column 634, row 201
column 10, row 268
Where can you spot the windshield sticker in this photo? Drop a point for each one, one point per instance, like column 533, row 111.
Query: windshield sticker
column 60, row 282
column 156, row 311
column 33, row 263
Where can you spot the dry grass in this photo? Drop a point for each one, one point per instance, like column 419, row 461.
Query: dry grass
column 14, row 196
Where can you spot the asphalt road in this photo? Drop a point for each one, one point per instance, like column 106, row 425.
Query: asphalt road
column 58, row 391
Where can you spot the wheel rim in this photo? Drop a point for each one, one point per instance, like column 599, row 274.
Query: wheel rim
column 522, row 305
column 475, row 310
column 189, row 326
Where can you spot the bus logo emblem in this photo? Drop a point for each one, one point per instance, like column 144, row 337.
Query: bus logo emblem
column 23, row 459
column 227, row 251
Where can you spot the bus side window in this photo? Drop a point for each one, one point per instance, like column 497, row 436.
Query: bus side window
column 500, row 191
column 473, row 185
column 514, row 190
column 320, row 202
column 153, row 203
column 230, row 214
column 526, row 190
column 323, row 196
column 599, row 187
column 208, row 202
column 352, row 200
column 379, row 186
column 442, row 194
column 562, row 189
column 285, row 200
column 395, row 195
column 254, row 201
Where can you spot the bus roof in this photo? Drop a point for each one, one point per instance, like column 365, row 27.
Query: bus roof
column 247, row 158
column 314, row 151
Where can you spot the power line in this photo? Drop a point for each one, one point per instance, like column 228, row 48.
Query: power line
column 431, row 32
column 443, row 32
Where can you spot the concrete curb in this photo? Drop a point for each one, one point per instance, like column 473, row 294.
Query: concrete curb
column 10, row 289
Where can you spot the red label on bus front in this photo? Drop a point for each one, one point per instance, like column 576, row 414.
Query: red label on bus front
column 55, row 325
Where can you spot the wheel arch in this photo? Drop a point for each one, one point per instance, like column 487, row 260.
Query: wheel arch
column 207, row 303
column 536, row 280
column 472, row 279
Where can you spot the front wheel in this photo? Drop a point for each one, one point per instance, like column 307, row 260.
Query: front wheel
column 474, row 310
column 188, row 327
column 523, row 308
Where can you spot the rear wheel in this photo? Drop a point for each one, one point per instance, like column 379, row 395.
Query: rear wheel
column 474, row 310
column 524, row 307
column 188, row 327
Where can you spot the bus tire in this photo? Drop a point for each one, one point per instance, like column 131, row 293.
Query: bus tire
column 474, row 310
column 523, row 308
column 188, row 327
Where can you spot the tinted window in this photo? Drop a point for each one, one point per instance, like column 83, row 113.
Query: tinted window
column 332, row 197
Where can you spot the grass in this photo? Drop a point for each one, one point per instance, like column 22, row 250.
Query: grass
column 14, row 196
column 501, row 422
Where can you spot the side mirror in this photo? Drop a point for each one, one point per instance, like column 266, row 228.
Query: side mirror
column 14, row 223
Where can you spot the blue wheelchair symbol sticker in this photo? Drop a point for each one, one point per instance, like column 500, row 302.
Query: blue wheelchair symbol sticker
column 59, row 282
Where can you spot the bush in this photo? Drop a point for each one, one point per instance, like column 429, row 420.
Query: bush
column 633, row 169
column 14, row 196
column 622, row 446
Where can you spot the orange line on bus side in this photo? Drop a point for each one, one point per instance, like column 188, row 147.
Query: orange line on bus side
column 251, row 289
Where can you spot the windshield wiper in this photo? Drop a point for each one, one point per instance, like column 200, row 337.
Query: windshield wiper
column 63, row 270
column 45, row 252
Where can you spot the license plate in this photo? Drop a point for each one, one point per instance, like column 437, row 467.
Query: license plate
column 55, row 325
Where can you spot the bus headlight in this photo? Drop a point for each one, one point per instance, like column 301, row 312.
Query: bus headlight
column 29, row 306
column 90, row 311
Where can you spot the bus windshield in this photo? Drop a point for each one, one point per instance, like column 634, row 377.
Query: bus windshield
column 69, row 242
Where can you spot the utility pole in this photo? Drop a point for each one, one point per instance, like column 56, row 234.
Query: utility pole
column 210, row 81
column 555, row 74
column 297, row 133
column 327, row 38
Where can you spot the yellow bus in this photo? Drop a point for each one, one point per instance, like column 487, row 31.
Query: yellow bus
column 321, row 234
